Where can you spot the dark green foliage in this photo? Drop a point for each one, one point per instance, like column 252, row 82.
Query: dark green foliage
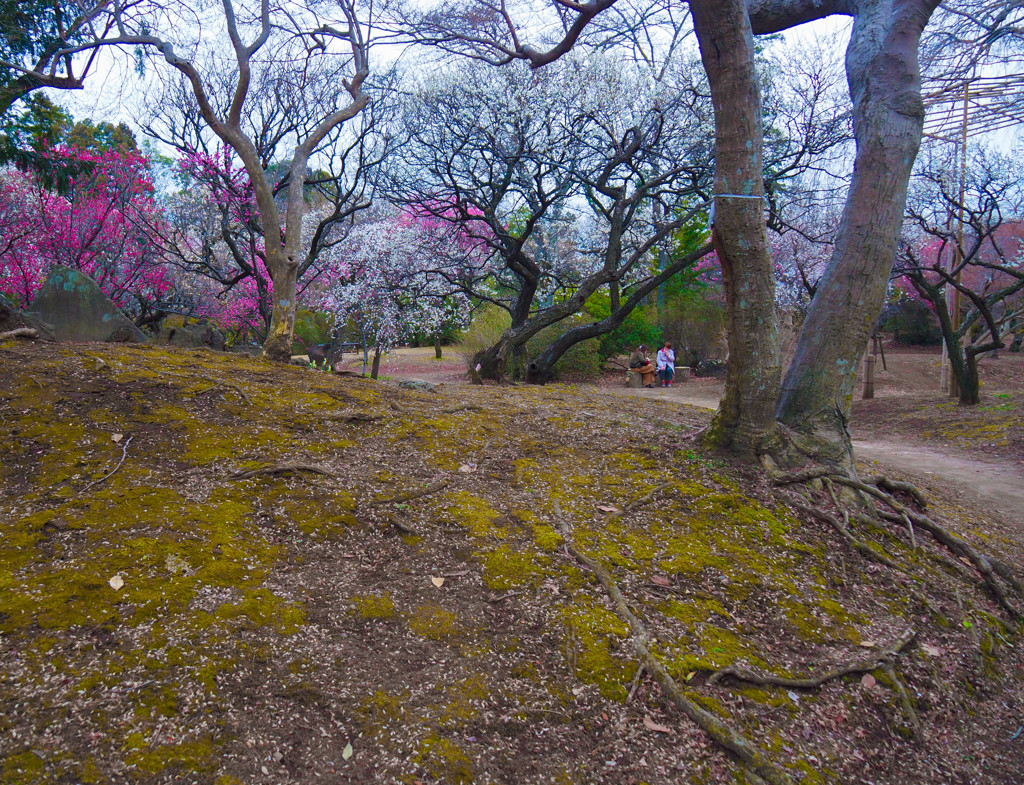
column 311, row 328
column 640, row 327
column 913, row 323
column 102, row 137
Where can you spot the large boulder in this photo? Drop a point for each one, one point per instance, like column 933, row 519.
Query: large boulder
column 13, row 319
column 192, row 336
column 79, row 310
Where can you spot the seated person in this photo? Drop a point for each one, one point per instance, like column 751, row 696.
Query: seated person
column 640, row 363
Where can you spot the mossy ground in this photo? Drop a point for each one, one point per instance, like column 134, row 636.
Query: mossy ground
column 282, row 629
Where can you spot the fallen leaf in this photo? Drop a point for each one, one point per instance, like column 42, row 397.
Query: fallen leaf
column 116, row 582
column 652, row 725
column 467, row 468
column 438, row 582
column 660, row 580
column 793, row 696
column 690, row 675
column 265, row 771
column 931, row 651
column 868, row 644
column 116, row 437
column 606, row 508
column 868, row 680
column 347, row 752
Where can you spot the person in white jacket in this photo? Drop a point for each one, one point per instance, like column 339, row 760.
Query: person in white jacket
column 666, row 364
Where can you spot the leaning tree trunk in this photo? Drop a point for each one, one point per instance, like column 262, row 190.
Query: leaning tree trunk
column 493, row 360
column 746, row 416
column 888, row 115
column 541, row 368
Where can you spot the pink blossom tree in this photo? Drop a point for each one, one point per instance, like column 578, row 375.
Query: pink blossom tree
column 107, row 224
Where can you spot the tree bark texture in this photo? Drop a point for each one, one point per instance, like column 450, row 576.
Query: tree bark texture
column 885, row 86
column 746, row 415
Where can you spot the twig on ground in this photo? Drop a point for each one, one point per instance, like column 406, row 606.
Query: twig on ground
column 417, row 494
column 636, row 682
column 221, row 387
column 636, row 503
column 503, row 597
column 124, row 454
column 466, row 407
column 280, row 468
column 398, row 524
column 740, row 746
column 862, row 665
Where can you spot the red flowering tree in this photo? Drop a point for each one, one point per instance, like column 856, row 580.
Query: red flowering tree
column 980, row 268
column 106, row 224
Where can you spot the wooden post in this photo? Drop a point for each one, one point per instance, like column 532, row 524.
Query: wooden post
column 869, row 377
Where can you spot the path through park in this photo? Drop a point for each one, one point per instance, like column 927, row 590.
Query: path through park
column 980, row 479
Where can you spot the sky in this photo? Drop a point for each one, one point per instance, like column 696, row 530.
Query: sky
column 116, row 92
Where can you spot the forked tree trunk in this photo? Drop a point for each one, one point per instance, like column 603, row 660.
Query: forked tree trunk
column 885, row 85
column 746, row 415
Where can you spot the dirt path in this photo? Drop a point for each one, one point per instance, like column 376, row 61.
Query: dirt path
column 988, row 485
column 994, row 487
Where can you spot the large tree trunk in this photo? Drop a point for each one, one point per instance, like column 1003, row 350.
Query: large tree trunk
column 885, row 85
column 278, row 345
column 746, row 416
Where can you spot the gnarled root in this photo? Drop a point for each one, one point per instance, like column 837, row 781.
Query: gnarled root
column 861, row 547
column 985, row 565
column 861, row 665
column 747, row 752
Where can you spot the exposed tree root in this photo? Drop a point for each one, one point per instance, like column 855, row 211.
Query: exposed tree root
column 466, row 407
column 894, row 486
column 417, row 494
column 281, row 468
column 908, row 706
column 983, row 564
column 400, row 525
column 221, row 388
column 860, row 665
column 861, row 547
column 800, row 476
column 747, row 752
column 359, row 417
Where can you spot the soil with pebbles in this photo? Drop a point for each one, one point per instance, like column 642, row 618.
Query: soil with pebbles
column 325, row 579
